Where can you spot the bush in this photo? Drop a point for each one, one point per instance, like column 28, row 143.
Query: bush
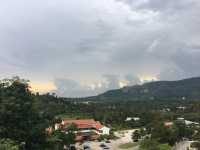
column 136, row 135
column 195, row 145
column 149, row 144
column 7, row 144
column 106, row 137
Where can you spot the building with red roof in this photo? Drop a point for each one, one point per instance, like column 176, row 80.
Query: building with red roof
column 83, row 123
column 86, row 128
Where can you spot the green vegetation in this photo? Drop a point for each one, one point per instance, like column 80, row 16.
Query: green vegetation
column 74, row 116
column 136, row 135
column 187, row 89
column 128, row 145
column 25, row 116
column 59, row 139
column 195, row 145
column 149, row 144
column 19, row 122
column 107, row 137
column 7, row 144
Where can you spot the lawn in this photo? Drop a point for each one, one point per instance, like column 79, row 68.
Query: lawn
column 128, row 145
column 74, row 116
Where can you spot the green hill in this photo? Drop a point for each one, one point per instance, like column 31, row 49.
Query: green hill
column 187, row 89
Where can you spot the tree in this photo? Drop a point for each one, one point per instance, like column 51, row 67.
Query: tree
column 149, row 144
column 195, row 145
column 164, row 134
column 183, row 130
column 19, row 122
column 59, row 139
column 164, row 147
column 143, row 132
column 7, row 144
column 136, row 135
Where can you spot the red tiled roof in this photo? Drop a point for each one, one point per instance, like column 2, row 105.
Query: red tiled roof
column 84, row 123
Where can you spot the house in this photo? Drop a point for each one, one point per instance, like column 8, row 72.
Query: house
column 180, row 118
column 57, row 126
column 166, row 110
column 181, row 107
column 84, row 125
column 87, row 129
column 188, row 122
column 105, row 130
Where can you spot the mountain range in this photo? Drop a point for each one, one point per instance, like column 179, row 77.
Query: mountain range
column 186, row 89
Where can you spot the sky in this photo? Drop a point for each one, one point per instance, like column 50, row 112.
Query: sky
column 79, row 48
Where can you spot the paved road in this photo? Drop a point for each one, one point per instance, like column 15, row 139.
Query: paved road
column 182, row 145
column 124, row 137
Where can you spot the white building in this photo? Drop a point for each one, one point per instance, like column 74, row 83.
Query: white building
column 188, row 122
column 104, row 130
column 132, row 118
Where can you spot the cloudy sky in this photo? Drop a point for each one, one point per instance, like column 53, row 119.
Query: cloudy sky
column 84, row 47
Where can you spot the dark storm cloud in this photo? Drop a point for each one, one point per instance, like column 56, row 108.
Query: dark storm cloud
column 162, row 6
column 86, row 39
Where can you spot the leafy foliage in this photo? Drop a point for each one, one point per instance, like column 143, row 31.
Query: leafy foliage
column 7, row 144
column 195, row 145
column 160, row 90
column 136, row 135
column 149, row 144
column 24, row 118
column 59, row 139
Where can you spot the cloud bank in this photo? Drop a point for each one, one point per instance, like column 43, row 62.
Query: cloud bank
column 84, row 44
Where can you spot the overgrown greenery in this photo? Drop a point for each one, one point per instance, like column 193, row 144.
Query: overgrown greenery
column 7, row 144
column 24, row 120
column 150, row 144
column 196, row 145
column 159, row 90
column 25, row 117
column 128, row 145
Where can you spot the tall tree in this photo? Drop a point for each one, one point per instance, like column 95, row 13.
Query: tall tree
column 18, row 120
column 136, row 135
column 7, row 144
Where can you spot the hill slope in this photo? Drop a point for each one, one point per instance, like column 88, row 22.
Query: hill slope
column 160, row 90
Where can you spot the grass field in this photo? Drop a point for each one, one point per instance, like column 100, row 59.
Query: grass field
column 72, row 116
column 128, row 145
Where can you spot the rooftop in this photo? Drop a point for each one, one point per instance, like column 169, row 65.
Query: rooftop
column 84, row 123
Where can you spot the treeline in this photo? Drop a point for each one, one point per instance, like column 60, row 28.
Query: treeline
column 24, row 118
column 187, row 89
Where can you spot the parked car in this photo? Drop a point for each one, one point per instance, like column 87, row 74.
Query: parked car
column 86, row 147
column 102, row 145
column 107, row 141
column 72, row 147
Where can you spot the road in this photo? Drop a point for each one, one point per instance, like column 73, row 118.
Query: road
column 182, row 145
column 124, row 137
